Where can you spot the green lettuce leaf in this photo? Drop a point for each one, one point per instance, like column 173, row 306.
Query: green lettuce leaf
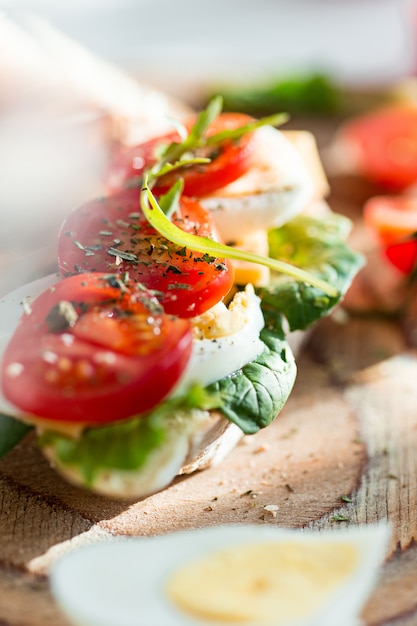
column 318, row 246
column 253, row 397
column 123, row 446
column 11, row 432
column 126, row 445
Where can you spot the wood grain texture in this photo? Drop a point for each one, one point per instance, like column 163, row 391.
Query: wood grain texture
column 378, row 380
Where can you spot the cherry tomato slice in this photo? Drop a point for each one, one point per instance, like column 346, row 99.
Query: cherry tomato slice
column 393, row 218
column 113, row 235
column 94, row 349
column 403, row 255
column 128, row 164
column 229, row 160
column 385, row 145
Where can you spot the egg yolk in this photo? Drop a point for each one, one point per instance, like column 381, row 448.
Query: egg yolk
column 266, row 583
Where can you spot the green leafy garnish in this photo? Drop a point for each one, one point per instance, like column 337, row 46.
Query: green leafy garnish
column 277, row 119
column 168, row 168
column 158, row 213
column 178, row 155
column 169, row 202
column 11, row 432
column 158, row 219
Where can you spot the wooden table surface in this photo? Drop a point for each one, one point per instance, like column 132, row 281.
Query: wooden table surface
column 343, row 452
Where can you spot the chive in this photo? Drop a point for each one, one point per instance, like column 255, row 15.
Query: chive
column 157, row 218
column 174, row 156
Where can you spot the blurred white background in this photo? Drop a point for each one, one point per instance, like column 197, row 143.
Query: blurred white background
column 182, row 44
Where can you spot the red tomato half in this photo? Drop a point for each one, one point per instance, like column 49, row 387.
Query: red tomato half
column 113, row 235
column 394, row 220
column 94, row 349
column 128, row 164
column 229, row 161
column 385, row 145
column 403, row 255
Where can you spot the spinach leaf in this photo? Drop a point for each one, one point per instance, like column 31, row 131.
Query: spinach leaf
column 318, row 246
column 127, row 445
column 253, row 397
column 11, row 432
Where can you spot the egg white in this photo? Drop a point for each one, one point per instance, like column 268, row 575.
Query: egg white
column 12, row 307
column 211, row 359
column 277, row 187
column 215, row 358
column 123, row 581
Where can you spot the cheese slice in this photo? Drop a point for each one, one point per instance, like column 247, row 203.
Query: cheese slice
column 253, row 273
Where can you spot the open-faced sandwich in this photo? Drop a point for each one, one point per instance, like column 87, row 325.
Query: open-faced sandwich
column 163, row 337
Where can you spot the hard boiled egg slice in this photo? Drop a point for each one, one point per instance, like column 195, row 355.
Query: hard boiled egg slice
column 251, row 575
column 12, row 307
column 225, row 339
column 277, row 187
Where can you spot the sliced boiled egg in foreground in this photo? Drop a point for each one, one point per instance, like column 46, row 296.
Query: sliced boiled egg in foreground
column 251, row 575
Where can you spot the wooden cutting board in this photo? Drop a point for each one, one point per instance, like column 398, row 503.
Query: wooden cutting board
column 343, row 452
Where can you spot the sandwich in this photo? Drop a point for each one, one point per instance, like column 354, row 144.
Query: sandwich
column 164, row 336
